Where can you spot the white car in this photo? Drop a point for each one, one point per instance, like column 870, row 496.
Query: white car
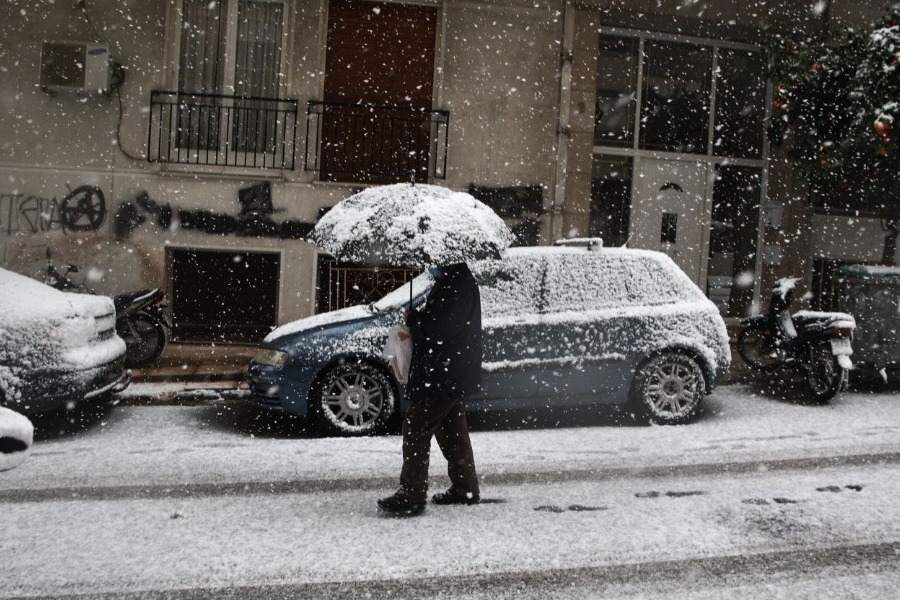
column 56, row 348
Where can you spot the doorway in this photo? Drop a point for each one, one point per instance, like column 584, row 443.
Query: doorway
column 379, row 81
column 671, row 212
column 223, row 296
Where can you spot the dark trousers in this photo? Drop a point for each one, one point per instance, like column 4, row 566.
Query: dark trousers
column 446, row 421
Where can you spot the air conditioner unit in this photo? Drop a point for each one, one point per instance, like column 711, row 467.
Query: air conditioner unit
column 75, row 66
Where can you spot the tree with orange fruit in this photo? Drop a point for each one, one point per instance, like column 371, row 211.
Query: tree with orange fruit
column 839, row 105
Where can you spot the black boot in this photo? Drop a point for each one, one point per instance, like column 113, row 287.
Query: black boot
column 452, row 497
column 401, row 505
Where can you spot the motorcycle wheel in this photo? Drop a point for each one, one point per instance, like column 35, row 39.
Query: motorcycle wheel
column 824, row 376
column 145, row 339
column 755, row 349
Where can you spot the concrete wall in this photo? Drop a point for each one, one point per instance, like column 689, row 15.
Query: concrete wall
column 497, row 68
column 502, row 70
column 501, row 85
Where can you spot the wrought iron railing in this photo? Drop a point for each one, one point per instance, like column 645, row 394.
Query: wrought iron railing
column 217, row 130
column 375, row 144
column 341, row 285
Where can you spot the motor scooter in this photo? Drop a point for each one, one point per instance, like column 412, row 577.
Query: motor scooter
column 815, row 344
column 141, row 317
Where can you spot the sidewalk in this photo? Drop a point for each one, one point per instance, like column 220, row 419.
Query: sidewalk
column 191, row 374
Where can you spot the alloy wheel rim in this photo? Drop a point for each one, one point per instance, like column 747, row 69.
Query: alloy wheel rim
column 672, row 389
column 354, row 400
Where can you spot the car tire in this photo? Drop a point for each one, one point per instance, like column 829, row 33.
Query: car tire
column 668, row 388
column 353, row 398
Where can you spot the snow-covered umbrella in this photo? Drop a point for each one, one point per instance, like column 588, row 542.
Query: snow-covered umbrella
column 411, row 225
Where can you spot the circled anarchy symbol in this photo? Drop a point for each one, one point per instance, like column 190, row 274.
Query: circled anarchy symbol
column 83, row 209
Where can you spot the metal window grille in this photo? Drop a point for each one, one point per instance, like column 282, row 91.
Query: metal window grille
column 341, row 284
column 377, row 144
column 218, row 130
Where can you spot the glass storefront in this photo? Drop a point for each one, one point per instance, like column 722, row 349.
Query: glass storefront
column 616, row 91
column 740, row 104
column 675, row 96
column 610, row 199
column 737, row 193
column 675, row 101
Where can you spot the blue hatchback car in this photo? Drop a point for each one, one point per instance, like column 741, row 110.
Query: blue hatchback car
column 563, row 326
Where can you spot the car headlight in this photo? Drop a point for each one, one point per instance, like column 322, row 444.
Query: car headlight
column 273, row 358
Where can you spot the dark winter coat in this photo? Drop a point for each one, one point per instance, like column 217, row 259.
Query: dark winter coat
column 446, row 333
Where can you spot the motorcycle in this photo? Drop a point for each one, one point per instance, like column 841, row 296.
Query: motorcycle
column 816, row 345
column 141, row 317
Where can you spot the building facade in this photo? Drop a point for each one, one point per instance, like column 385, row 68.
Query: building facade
column 223, row 129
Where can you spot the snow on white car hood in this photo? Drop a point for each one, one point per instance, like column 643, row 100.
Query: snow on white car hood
column 41, row 327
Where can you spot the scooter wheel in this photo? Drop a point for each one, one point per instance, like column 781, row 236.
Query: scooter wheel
column 754, row 347
column 145, row 339
column 824, row 376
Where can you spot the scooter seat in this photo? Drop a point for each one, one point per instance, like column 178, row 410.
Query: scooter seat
column 123, row 300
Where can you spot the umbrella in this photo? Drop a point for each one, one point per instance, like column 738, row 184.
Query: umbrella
column 411, row 225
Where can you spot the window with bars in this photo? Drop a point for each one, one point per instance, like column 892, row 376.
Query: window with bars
column 229, row 81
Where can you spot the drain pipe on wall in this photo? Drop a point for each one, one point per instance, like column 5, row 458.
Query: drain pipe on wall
column 563, row 129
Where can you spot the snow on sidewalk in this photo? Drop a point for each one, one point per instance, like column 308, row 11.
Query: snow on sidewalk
column 229, row 441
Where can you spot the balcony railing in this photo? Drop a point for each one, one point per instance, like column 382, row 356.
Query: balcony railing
column 375, row 144
column 227, row 131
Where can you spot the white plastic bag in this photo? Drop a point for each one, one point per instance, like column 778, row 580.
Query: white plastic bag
column 398, row 351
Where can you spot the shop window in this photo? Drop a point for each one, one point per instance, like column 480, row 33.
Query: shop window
column 223, row 296
column 617, row 68
column 675, row 97
column 610, row 199
column 740, row 104
column 733, row 239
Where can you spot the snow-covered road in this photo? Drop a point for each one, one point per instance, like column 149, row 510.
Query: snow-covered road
column 759, row 497
column 227, row 442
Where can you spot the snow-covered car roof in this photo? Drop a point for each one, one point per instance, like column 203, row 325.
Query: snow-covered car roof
column 24, row 302
column 575, row 279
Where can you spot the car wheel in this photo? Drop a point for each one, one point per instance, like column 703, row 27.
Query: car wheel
column 354, row 399
column 668, row 388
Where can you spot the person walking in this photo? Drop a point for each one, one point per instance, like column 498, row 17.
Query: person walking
column 444, row 370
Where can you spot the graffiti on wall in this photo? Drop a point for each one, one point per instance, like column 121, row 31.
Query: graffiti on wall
column 254, row 220
column 82, row 209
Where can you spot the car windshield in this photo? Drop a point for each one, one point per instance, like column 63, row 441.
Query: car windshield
column 401, row 295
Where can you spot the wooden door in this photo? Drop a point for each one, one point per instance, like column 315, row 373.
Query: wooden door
column 379, row 74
